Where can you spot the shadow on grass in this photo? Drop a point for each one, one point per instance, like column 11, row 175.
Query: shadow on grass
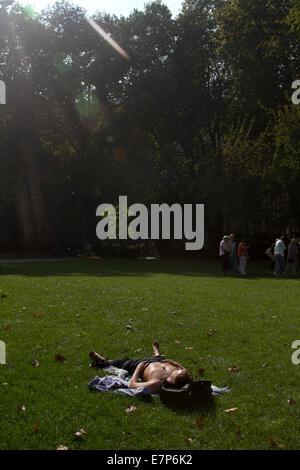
column 205, row 409
column 201, row 267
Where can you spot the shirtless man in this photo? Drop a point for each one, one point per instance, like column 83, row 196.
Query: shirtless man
column 150, row 373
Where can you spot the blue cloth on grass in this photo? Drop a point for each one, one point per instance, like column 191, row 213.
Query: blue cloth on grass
column 112, row 383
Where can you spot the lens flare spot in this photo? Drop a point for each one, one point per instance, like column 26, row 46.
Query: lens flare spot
column 88, row 104
column 62, row 62
column 120, row 154
column 107, row 37
column 30, row 11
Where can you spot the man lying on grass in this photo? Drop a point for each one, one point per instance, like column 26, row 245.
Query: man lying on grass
column 150, row 373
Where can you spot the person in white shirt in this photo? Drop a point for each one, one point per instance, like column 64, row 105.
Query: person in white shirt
column 224, row 252
column 279, row 250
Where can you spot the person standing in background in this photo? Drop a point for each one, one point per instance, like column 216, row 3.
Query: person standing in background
column 292, row 257
column 233, row 255
column 243, row 256
column 279, row 250
column 270, row 254
column 224, row 253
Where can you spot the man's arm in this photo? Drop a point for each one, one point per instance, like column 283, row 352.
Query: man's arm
column 153, row 385
column 137, row 375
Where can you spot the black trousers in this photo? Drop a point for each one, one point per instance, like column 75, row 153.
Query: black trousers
column 128, row 364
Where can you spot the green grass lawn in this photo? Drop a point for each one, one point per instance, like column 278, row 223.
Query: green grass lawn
column 70, row 307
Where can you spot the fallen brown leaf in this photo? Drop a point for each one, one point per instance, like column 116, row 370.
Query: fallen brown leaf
column 62, row 448
column 272, row 442
column 130, row 409
column 231, row 410
column 291, row 401
column 239, row 434
column 211, row 332
column 200, row 421
column 79, row 433
column 234, row 369
column 35, row 363
column 191, row 441
column 60, row 358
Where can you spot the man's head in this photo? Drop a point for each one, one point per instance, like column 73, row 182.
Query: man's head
column 180, row 377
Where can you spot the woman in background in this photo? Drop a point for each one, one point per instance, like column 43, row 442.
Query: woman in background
column 243, row 256
column 292, row 257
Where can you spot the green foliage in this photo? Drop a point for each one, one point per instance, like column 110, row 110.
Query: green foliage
column 201, row 112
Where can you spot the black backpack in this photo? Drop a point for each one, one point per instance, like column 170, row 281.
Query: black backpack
column 198, row 392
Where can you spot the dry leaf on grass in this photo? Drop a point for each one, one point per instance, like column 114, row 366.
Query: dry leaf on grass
column 35, row 363
column 62, row 448
column 60, row 358
column 231, row 410
column 239, row 434
column 211, row 332
column 177, row 341
column 200, row 421
column 130, row 409
column 291, row 401
column 191, row 441
column 79, row 433
column 272, row 442
column 234, row 369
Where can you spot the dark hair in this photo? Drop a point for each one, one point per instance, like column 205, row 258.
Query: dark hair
column 184, row 377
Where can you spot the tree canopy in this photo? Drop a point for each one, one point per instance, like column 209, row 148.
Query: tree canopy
column 196, row 110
